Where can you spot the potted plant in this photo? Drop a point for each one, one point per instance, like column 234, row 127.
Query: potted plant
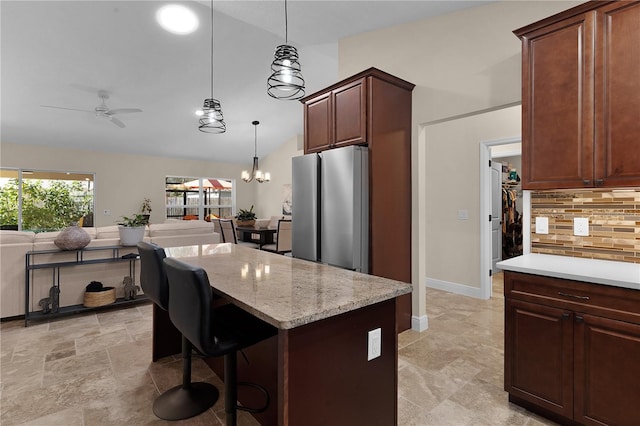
column 246, row 217
column 145, row 209
column 131, row 229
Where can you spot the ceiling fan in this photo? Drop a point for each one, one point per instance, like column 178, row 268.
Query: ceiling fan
column 102, row 110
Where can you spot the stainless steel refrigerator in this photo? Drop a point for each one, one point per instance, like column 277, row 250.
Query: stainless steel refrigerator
column 330, row 207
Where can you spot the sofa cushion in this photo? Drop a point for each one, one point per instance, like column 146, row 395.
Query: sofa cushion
column 16, row 237
column 185, row 227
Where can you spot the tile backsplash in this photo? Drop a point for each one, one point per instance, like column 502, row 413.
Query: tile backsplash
column 614, row 223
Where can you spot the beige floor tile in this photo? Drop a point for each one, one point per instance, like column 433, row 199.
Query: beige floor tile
column 95, row 369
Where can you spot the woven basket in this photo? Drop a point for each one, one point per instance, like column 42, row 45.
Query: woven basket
column 93, row 299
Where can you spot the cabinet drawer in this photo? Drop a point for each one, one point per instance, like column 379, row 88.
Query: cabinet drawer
column 608, row 301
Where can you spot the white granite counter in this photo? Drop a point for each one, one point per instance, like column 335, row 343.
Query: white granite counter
column 619, row 274
column 283, row 291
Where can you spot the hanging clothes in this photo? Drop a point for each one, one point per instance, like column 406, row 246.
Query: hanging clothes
column 511, row 224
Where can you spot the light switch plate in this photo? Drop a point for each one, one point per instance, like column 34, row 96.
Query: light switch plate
column 542, row 225
column 374, row 346
column 581, row 226
column 463, row 214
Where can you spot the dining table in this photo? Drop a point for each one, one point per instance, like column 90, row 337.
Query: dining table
column 322, row 367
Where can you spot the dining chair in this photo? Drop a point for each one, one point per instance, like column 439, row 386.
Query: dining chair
column 229, row 234
column 283, row 241
column 213, row 332
column 217, row 228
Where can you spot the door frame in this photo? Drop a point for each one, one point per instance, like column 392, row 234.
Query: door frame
column 485, row 211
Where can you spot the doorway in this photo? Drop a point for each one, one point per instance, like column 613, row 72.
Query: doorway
column 498, row 160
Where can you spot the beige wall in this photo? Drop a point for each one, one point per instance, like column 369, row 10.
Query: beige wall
column 122, row 181
column 269, row 196
column 452, row 254
column 461, row 63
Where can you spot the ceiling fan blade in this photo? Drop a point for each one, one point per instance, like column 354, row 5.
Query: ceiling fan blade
column 117, row 122
column 123, row 111
column 70, row 109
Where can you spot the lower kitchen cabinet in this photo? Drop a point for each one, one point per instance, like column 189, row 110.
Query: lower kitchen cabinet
column 572, row 349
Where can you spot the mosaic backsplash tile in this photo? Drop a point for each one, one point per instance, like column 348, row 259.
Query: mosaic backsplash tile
column 614, row 223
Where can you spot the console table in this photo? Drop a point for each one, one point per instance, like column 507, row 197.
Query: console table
column 112, row 256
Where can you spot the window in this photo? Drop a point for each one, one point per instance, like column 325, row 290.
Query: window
column 44, row 200
column 199, row 198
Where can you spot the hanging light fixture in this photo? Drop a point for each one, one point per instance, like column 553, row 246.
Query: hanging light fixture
column 211, row 118
column 256, row 173
column 286, row 81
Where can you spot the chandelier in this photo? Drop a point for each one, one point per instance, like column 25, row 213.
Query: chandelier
column 286, row 81
column 211, row 118
column 256, row 173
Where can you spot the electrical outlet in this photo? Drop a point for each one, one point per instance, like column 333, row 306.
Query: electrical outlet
column 374, row 347
column 106, row 212
column 581, row 226
column 542, row 225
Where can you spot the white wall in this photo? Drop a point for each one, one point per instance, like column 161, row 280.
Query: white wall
column 269, row 196
column 122, row 181
column 462, row 63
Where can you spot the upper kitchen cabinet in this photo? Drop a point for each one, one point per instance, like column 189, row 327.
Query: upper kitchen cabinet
column 581, row 98
column 340, row 115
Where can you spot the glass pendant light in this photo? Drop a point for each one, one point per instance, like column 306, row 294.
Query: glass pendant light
column 256, row 173
column 211, row 118
column 286, row 81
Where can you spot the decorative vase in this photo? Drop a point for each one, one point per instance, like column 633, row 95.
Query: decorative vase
column 246, row 222
column 72, row 238
column 131, row 235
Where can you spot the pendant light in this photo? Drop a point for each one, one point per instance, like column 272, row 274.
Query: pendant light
column 211, row 118
column 256, row 173
column 286, row 81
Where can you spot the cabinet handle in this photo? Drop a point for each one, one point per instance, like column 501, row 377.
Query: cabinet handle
column 586, row 182
column 574, row 296
column 565, row 315
column 599, row 181
column 579, row 318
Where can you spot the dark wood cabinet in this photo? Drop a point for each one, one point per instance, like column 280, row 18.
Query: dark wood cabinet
column 373, row 108
column 572, row 349
column 336, row 118
column 580, row 92
column 539, row 356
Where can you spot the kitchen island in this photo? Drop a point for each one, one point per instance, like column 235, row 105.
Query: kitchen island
column 572, row 338
column 316, row 369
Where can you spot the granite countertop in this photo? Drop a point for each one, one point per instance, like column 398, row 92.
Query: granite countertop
column 283, row 291
column 607, row 272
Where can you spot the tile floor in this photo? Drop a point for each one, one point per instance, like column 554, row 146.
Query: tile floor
column 95, row 370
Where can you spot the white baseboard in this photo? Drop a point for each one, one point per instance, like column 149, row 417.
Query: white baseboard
column 419, row 323
column 454, row 288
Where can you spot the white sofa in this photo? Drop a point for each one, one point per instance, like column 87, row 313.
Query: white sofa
column 14, row 246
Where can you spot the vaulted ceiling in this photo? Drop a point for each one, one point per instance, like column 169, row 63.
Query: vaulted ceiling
column 61, row 53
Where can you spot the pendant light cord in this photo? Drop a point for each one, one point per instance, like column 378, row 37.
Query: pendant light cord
column 211, row 49
column 286, row 26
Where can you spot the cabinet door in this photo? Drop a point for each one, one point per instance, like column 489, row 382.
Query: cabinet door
column 350, row 113
column 318, row 125
column 618, row 95
column 557, row 105
column 607, row 371
column 539, row 356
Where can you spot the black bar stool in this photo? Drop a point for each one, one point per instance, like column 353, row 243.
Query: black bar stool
column 214, row 332
column 189, row 399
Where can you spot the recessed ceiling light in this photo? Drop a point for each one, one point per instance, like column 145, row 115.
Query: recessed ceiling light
column 177, row 19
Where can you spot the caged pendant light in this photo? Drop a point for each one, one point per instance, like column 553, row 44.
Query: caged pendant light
column 286, row 81
column 256, row 173
column 211, row 118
